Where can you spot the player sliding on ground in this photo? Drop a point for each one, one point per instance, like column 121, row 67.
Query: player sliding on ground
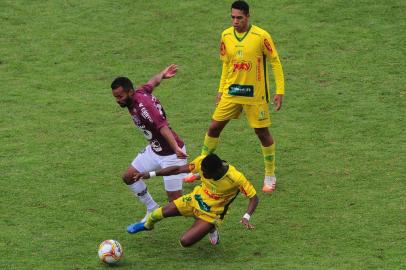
column 208, row 202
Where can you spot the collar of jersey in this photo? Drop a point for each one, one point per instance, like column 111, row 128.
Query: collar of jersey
column 246, row 33
column 224, row 176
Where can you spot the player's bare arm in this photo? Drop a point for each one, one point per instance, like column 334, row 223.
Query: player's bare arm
column 252, row 205
column 167, row 134
column 167, row 73
column 172, row 170
column 277, row 102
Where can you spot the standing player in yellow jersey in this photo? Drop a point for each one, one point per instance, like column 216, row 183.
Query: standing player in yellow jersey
column 208, row 202
column 245, row 51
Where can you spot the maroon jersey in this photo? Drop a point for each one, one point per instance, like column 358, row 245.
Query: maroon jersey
column 149, row 116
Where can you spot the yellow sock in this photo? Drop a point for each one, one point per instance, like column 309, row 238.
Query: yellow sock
column 153, row 218
column 209, row 145
column 269, row 159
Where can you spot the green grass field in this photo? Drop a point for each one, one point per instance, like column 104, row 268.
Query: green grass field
column 341, row 143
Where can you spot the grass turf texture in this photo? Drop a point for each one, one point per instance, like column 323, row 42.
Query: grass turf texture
column 64, row 142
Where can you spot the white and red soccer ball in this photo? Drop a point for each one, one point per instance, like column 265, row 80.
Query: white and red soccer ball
column 110, row 252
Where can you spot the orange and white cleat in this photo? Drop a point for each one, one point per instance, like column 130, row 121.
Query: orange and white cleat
column 191, row 177
column 269, row 184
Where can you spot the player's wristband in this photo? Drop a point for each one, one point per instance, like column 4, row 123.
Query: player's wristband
column 152, row 174
column 246, row 216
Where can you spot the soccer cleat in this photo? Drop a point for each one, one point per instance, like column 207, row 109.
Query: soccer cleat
column 191, row 177
column 269, row 184
column 214, row 237
column 137, row 227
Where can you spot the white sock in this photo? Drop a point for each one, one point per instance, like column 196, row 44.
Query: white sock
column 269, row 180
column 140, row 190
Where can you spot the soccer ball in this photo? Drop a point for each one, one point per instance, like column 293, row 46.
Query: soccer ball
column 110, row 252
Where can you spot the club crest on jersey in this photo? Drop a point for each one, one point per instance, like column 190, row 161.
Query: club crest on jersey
column 155, row 145
column 237, row 66
column 239, row 54
column 268, row 45
column 222, row 49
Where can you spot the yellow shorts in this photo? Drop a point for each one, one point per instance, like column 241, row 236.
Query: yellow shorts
column 189, row 207
column 257, row 115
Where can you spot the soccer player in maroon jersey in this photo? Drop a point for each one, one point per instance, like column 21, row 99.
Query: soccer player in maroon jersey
column 165, row 148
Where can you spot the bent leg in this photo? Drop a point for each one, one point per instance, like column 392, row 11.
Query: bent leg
column 139, row 189
column 195, row 233
column 169, row 210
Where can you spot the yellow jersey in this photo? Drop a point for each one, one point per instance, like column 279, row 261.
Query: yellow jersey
column 213, row 197
column 245, row 75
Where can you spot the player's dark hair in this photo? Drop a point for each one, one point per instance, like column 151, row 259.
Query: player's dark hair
column 241, row 5
column 212, row 163
column 123, row 82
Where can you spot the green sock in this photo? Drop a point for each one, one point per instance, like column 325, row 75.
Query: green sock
column 209, row 145
column 269, row 159
column 153, row 218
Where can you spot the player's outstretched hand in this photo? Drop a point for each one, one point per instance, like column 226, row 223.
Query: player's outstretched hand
column 170, row 71
column 139, row 175
column 246, row 223
column 277, row 102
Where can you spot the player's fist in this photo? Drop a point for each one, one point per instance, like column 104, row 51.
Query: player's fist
column 137, row 176
column 246, row 223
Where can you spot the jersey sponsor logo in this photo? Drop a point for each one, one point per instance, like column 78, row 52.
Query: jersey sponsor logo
column 244, row 65
column 241, row 90
column 213, row 196
column 202, row 205
column 268, row 46
column 145, row 113
column 222, row 49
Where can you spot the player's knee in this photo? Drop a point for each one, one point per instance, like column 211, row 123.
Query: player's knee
column 174, row 195
column 127, row 178
column 184, row 242
column 214, row 129
column 261, row 131
column 264, row 135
